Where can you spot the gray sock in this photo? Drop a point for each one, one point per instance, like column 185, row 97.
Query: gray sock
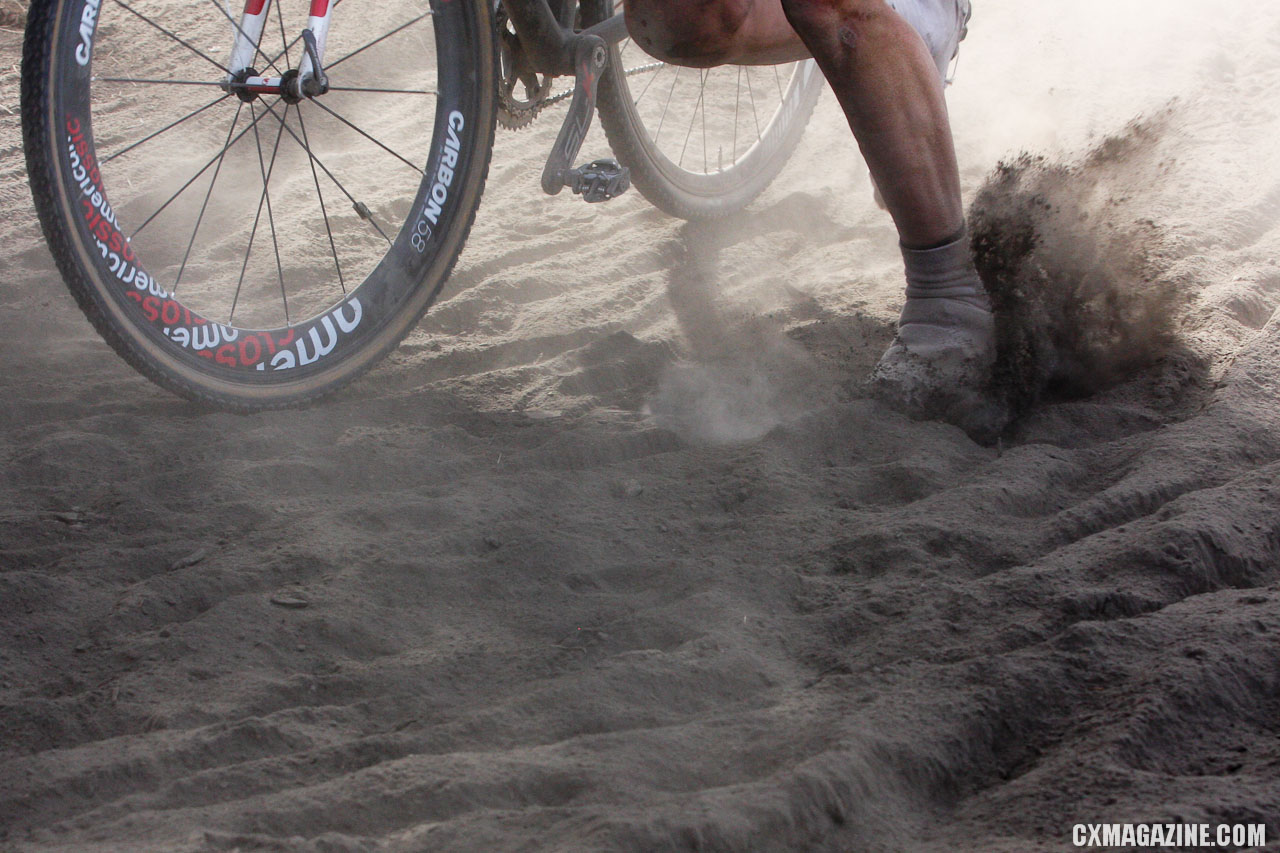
column 947, row 315
column 945, row 271
column 940, row 362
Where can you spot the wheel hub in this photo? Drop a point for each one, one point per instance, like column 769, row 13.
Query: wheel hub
column 247, row 85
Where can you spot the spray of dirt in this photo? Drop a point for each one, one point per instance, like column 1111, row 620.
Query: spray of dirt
column 1075, row 277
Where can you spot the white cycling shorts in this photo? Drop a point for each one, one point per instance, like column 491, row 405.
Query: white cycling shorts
column 941, row 23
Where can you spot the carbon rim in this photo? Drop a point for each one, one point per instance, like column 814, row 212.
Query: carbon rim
column 195, row 224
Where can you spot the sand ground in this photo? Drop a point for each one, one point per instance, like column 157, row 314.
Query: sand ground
column 615, row 553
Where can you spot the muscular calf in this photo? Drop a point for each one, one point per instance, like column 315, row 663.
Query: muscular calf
column 885, row 60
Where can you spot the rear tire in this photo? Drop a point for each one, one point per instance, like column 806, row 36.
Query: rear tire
column 189, row 302
column 700, row 144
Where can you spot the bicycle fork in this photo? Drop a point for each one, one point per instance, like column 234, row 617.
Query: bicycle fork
column 555, row 49
column 305, row 81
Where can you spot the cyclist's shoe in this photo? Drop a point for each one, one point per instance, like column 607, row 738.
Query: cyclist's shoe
column 939, row 365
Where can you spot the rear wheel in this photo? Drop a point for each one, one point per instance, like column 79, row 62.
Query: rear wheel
column 700, row 143
column 250, row 251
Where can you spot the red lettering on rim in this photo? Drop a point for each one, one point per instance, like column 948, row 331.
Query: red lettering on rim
column 245, row 357
column 170, row 312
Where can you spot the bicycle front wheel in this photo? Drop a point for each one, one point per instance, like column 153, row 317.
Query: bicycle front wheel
column 252, row 250
column 700, row 143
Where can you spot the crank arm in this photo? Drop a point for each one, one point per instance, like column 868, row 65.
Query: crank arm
column 591, row 57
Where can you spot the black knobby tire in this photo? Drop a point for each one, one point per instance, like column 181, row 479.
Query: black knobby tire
column 653, row 115
column 397, row 250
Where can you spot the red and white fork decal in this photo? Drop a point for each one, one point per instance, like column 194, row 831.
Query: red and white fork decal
column 318, row 23
column 247, row 36
column 245, row 49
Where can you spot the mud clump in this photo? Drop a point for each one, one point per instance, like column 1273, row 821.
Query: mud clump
column 1075, row 275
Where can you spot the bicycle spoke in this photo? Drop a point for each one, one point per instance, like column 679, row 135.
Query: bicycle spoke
column 646, row 85
column 320, row 195
column 375, row 141
column 667, row 105
column 248, row 249
column 196, row 176
column 361, row 209
column 693, row 119
column 703, row 104
column 290, row 44
column 752, row 96
column 157, row 82
column 205, row 204
column 241, row 31
column 244, row 265
column 173, row 124
column 171, row 35
column 343, row 59
column 737, row 99
column 266, row 194
column 284, row 39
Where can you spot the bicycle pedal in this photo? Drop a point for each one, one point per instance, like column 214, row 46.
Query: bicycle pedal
column 599, row 180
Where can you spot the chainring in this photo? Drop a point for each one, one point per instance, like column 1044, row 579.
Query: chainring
column 522, row 92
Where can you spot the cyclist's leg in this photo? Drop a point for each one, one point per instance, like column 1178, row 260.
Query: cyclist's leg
column 885, row 60
column 886, row 78
column 706, row 33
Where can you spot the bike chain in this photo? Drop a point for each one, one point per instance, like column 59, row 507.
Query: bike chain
column 514, row 113
column 568, row 93
column 630, row 72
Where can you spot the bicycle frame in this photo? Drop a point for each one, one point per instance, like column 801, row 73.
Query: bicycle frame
column 556, row 49
column 551, row 44
column 553, row 48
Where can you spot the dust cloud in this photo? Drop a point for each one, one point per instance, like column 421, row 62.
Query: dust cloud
column 741, row 376
column 1023, row 84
